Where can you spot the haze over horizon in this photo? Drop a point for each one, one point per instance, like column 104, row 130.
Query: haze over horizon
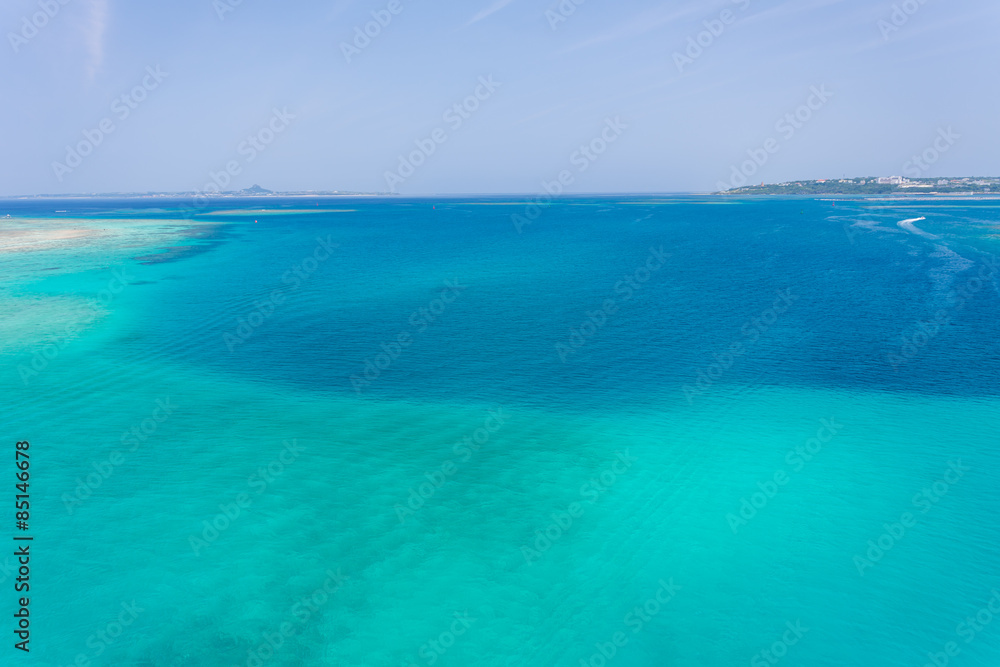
column 110, row 97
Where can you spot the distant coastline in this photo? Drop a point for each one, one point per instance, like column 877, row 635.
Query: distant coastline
column 893, row 186
column 883, row 188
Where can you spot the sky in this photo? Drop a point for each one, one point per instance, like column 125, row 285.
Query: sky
column 597, row 97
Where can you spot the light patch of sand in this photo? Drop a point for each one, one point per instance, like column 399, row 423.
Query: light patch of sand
column 250, row 212
column 20, row 235
column 32, row 239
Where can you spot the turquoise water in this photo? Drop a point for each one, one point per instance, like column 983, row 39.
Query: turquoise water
column 636, row 431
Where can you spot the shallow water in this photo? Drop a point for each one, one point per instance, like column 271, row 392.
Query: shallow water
column 405, row 403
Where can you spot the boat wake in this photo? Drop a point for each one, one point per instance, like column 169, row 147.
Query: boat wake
column 910, row 227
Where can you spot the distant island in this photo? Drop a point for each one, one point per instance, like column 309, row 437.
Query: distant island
column 876, row 186
column 253, row 191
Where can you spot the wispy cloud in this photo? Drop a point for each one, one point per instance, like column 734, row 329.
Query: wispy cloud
column 492, row 9
column 793, row 7
column 93, row 34
column 912, row 33
column 640, row 24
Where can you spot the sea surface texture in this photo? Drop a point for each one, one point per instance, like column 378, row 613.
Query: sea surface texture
column 623, row 431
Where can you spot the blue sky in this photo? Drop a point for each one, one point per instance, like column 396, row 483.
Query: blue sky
column 560, row 77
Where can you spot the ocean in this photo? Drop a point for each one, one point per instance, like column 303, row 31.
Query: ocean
column 626, row 431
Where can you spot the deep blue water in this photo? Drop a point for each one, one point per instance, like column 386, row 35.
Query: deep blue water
column 523, row 293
